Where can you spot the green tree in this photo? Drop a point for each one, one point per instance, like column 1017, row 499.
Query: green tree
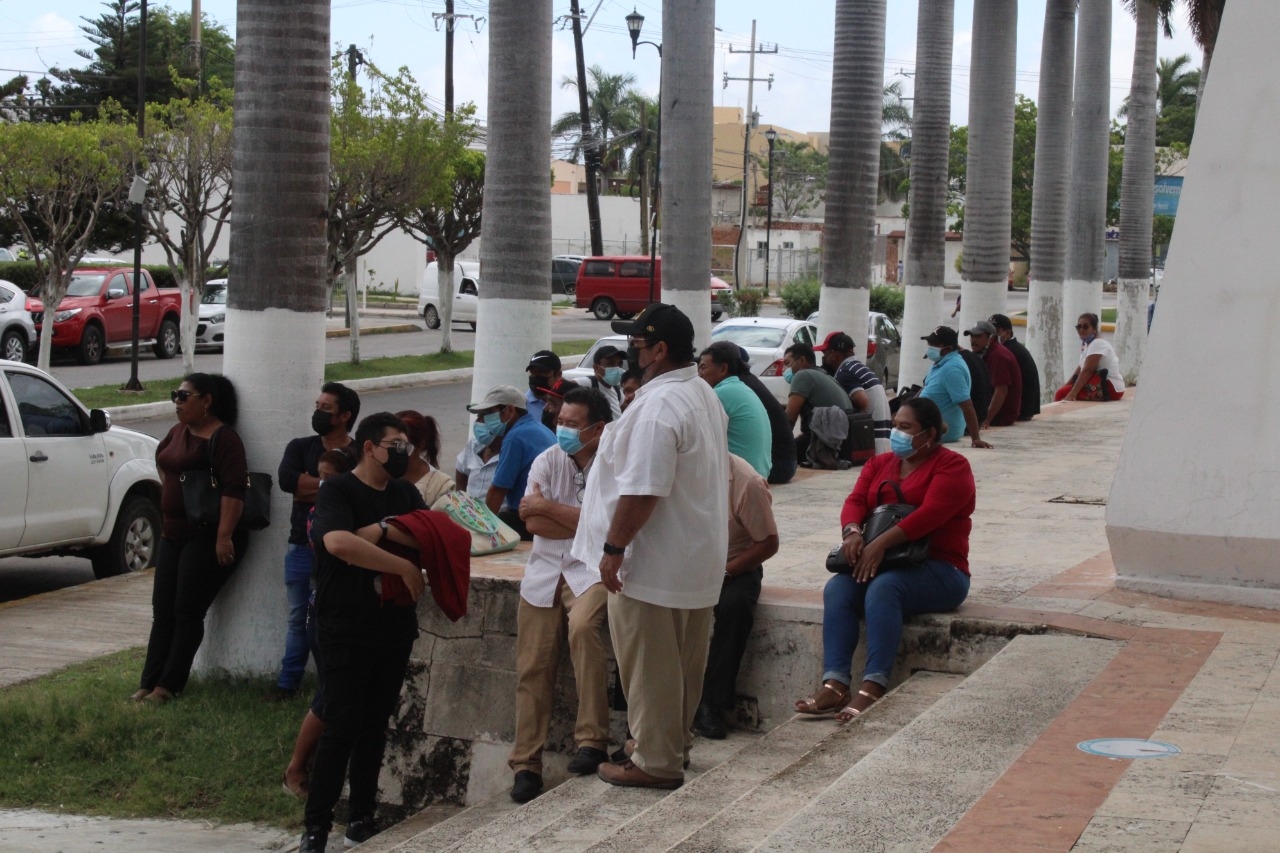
column 799, row 177
column 59, row 177
column 1024, row 169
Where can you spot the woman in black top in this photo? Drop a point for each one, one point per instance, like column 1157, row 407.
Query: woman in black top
column 192, row 563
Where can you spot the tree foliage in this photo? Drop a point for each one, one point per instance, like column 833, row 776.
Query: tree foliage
column 611, row 104
column 799, row 177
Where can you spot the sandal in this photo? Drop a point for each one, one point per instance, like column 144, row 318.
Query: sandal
column 831, row 696
column 849, row 712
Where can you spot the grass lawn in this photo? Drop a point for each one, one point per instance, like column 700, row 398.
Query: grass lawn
column 74, row 743
column 106, row 396
column 1108, row 315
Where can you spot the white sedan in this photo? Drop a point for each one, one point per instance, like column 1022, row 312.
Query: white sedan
column 766, row 339
column 213, row 316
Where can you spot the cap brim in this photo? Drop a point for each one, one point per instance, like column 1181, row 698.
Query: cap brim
column 624, row 327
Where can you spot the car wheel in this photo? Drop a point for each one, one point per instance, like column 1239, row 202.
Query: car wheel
column 168, row 341
column 91, row 346
column 13, row 346
column 570, row 289
column 604, row 309
column 431, row 317
column 133, row 542
column 715, row 315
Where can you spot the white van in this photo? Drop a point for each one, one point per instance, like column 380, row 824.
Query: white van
column 466, row 292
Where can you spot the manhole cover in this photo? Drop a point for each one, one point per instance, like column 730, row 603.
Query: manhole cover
column 1076, row 499
column 1128, row 747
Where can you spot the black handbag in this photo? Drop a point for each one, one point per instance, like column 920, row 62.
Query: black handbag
column 202, row 496
column 904, row 556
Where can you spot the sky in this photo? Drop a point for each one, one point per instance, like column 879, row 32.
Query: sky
column 36, row 36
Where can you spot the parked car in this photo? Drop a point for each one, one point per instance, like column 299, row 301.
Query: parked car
column 766, row 339
column 466, row 294
column 884, row 348
column 586, row 368
column 72, row 481
column 7, row 256
column 564, row 274
column 619, row 285
column 17, row 329
column 212, row 319
column 97, row 314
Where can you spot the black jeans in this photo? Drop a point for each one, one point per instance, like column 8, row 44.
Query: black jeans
column 734, row 616
column 187, row 581
column 512, row 519
column 362, row 686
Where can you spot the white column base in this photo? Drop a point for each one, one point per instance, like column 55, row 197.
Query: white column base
column 1131, row 326
column 1044, row 327
column 978, row 301
column 1078, row 297
column 844, row 309
column 919, row 318
column 508, row 332
column 1231, row 570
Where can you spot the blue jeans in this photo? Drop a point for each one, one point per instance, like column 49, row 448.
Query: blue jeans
column 934, row 587
column 297, row 585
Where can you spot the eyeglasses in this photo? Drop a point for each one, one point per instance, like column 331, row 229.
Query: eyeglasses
column 1080, row 327
column 642, row 343
column 182, row 395
column 398, row 446
column 580, row 480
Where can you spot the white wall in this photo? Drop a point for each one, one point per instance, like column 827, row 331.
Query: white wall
column 1194, row 507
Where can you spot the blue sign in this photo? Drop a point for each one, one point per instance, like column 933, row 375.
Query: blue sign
column 1168, row 191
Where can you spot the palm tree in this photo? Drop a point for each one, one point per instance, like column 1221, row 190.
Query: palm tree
column 1176, row 84
column 1090, row 163
column 988, row 211
column 611, row 104
column 857, row 108
column 1050, row 192
column 688, row 87
column 640, row 163
column 930, row 146
column 1137, row 188
column 514, row 317
column 276, row 302
column 895, row 121
column 1205, row 17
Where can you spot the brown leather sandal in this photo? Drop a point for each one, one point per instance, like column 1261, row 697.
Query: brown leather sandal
column 849, row 712
column 831, row 696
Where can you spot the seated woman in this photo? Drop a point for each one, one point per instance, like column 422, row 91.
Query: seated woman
column 1098, row 377
column 939, row 483
column 424, row 463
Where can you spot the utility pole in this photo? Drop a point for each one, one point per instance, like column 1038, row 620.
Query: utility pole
column 742, row 257
column 590, row 145
column 197, row 47
column 450, row 19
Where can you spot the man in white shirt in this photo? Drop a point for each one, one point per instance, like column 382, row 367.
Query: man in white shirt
column 560, row 595
column 655, row 519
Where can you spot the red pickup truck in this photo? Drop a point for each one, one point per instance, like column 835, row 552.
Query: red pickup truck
column 97, row 314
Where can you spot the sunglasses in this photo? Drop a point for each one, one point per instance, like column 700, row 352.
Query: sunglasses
column 1080, row 327
column 182, row 395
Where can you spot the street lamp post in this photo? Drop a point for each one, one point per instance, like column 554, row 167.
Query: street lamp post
column 635, row 21
column 772, row 136
column 137, row 194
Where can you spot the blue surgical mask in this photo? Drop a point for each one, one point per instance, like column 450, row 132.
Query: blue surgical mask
column 901, row 443
column 569, row 439
column 787, row 375
column 613, row 376
column 933, row 354
column 488, row 428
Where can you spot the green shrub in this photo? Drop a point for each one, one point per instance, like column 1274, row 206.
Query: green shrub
column 728, row 302
column 21, row 273
column 749, row 301
column 800, row 297
column 889, row 300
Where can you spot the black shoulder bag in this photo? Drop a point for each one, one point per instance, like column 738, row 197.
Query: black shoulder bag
column 883, row 517
column 202, row 496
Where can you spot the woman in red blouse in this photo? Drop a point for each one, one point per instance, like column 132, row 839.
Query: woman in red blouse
column 192, row 563
column 939, row 483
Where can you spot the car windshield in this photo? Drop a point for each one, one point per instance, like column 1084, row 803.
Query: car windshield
column 85, row 285
column 759, row 337
column 214, row 296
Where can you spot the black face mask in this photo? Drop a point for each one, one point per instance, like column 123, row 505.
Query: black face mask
column 322, row 421
column 397, row 463
column 633, row 357
column 538, row 383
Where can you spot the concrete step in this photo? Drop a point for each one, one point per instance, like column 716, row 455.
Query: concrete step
column 741, row 802
column 908, row 792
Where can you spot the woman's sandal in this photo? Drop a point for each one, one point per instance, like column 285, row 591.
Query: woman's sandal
column 828, row 698
column 849, row 712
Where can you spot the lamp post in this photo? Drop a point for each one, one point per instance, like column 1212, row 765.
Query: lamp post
column 138, row 194
column 772, row 136
column 635, row 21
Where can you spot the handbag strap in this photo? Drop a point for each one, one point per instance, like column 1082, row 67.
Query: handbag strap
column 208, row 452
column 896, row 488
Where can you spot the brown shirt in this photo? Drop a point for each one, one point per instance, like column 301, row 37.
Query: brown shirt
column 181, row 450
column 750, row 507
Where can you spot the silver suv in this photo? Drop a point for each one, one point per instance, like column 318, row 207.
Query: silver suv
column 17, row 330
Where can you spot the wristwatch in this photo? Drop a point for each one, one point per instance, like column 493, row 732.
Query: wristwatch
column 382, row 523
column 850, row 529
column 614, row 550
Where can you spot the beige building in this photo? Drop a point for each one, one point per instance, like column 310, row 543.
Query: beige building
column 727, row 145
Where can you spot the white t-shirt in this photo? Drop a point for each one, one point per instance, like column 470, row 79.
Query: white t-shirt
column 670, row 442
column 555, row 474
column 1109, row 362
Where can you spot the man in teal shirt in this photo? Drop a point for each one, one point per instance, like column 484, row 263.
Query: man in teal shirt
column 750, row 435
column 949, row 383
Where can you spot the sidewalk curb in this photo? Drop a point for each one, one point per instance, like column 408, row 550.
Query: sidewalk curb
column 374, row 330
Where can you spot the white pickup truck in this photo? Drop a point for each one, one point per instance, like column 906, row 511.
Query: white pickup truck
column 71, row 482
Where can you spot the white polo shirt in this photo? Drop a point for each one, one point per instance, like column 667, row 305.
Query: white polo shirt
column 670, row 442
column 554, row 471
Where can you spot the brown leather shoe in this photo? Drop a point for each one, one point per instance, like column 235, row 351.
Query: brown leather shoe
column 628, row 775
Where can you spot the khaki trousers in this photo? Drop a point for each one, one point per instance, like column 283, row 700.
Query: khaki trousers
column 662, row 654
column 540, row 639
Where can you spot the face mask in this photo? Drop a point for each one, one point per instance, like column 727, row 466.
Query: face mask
column 787, row 375
column 633, row 356
column 322, row 421
column 901, row 443
column 397, row 462
column 933, row 354
column 538, row 383
column 613, row 376
column 569, row 439
column 488, row 428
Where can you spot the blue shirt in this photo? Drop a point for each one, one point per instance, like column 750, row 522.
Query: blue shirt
column 948, row 384
column 524, row 439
